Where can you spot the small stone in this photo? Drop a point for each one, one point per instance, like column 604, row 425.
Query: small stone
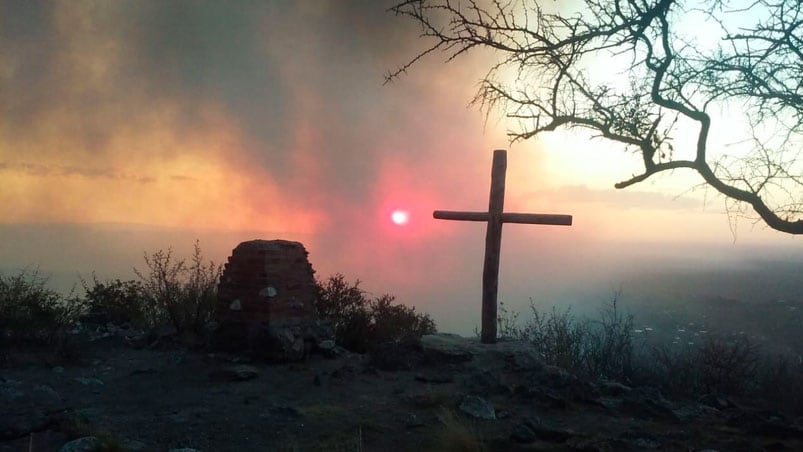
column 328, row 348
column 85, row 444
column 478, row 407
column 58, row 369
column 268, row 292
column 413, row 421
column 522, row 434
column 236, row 306
column 241, row 372
column 91, row 381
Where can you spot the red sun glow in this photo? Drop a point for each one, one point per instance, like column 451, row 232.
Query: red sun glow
column 400, row 217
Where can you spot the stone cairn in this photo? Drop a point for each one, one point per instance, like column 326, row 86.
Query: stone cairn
column 266, row 298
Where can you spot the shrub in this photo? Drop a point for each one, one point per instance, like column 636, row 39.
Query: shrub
column 718, row 365
column 609, row 349
column 182, row 294
column 393, row 322
column 672, row 370
column 604, row 348
column 596, row 349
column 31, row 312
column 558, row 337
column 361, row 323
column 779, row 383
column 727, row 366
column 118, row 302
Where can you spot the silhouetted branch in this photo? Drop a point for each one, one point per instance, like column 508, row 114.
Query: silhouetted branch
column 673, row 83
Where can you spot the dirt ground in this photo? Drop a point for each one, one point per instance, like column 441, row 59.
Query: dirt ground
column 156, row 399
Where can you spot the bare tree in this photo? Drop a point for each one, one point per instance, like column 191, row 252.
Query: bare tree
column 674, row 81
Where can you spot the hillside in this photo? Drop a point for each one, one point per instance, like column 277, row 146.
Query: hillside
column 443, row 392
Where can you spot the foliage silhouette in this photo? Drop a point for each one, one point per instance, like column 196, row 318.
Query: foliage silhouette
column 672, row 93
column 184, row 294
column 32, row 312
column 362, row 323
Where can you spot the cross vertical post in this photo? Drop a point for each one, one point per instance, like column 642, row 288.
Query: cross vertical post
column 495, row 216
column 493, row 247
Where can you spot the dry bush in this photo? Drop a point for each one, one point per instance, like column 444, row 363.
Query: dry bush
column 30, row 312
column 609, row 344
column 183, row 294
column 604, row 348
column 557, row 336
column 718, row 365
column 780, row 383
column 727, row 366
column 362, row 323
column 599, row 348
column 118, row 302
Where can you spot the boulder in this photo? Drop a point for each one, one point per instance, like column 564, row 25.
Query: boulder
column 27, row 408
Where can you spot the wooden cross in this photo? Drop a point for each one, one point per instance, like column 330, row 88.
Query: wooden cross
column 493, row 238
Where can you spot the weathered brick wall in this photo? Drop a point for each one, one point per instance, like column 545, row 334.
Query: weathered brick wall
column 267, row 281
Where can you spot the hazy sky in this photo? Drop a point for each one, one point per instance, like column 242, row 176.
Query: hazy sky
column 269, row 119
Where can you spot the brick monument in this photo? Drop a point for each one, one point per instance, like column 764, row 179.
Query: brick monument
column 267, row 281
column 266, row 301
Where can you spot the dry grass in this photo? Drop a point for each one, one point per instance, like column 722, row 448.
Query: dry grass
column 457, row 435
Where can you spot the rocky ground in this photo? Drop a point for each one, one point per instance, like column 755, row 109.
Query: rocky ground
column 442, row 393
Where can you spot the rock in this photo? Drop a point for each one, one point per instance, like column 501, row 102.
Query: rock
column 716, row 401
column 281, row 415
column 613, row 388
column 547, row 432
column 435, row 377
column 278, row 343
column 26, row 408
column 89, row 381
column 330, row 349
column 647, row 402
column 477, row 407
column 413, row 421
column 184, row 449
column 447, row 348
column 525, row 359
column 240, row 372
column 406, row 354
column 553, row 387
column 483, row 382
column 85, row 444
column 522, row 433
column 320, row 331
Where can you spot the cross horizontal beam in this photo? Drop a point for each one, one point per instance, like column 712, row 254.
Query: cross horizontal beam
column 507, row 217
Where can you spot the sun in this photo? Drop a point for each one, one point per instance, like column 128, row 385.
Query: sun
column 400, row 217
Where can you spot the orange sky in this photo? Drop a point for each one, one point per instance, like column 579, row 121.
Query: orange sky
column 270, row 119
